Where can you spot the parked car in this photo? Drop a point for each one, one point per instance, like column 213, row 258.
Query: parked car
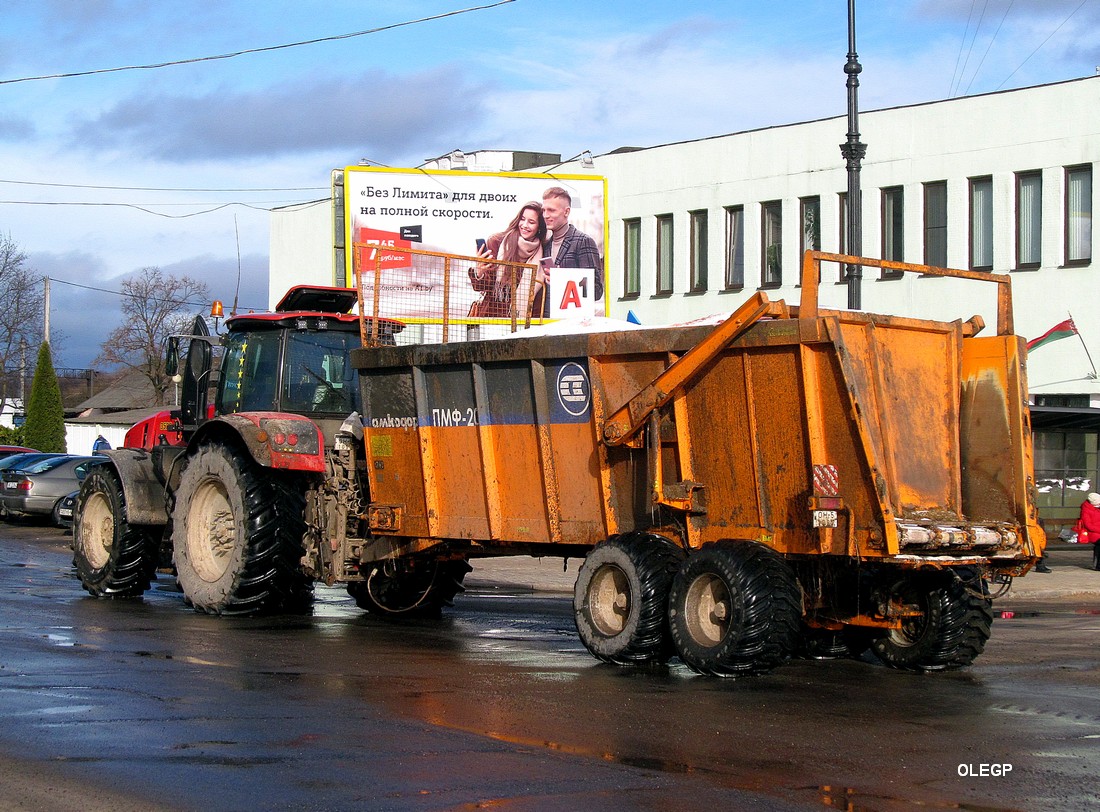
column 65, row 511
column 24, row 458
column 6, row 450
column 37, row 487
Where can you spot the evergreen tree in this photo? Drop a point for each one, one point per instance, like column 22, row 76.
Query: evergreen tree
column 45, row 426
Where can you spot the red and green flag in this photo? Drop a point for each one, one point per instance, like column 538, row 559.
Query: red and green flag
column 1063, row 329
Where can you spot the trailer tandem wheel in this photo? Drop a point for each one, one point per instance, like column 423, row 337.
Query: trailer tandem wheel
column 237, row 536
column 735, row 609
column 620, row 600
column 410, row 589
column 954, row 622
column 113, row 558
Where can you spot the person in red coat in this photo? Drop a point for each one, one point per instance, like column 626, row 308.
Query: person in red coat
column 1088, row 526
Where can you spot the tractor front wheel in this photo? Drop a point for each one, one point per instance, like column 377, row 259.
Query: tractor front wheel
column 113, row 558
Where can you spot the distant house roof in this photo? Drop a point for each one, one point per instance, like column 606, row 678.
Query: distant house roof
column 126, row 418
column 130, row 391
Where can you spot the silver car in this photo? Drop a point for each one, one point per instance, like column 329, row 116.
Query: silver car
column 38, row 487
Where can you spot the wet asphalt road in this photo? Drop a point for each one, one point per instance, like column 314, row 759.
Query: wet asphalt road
column 148, row 705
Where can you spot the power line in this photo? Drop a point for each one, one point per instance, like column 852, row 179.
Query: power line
column 162, row 189
column 1041, row 44
column 257, row 50
column 956, row 73
column 143, row 208
column 990, row 45
column 120, row 293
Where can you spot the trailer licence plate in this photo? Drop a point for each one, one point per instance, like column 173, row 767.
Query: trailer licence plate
column 824, row 518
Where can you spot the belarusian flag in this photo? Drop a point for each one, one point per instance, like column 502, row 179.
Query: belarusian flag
column 1063, row 329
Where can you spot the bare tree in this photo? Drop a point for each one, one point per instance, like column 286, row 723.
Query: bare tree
column 21, row 313
column 154, row 305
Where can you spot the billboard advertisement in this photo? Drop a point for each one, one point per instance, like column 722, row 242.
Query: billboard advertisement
column 557, row 223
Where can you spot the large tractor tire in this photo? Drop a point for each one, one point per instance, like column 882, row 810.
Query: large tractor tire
column 237, row 536
column 620, row 600
column 113, row 558
column 417, row 588
column 735, row 609
column 953, row 620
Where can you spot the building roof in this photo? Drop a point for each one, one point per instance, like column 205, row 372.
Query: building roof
column 131, row 391
column 126, row 418
column 1064, row 418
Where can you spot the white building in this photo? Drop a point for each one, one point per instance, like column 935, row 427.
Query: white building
column 1000, row 182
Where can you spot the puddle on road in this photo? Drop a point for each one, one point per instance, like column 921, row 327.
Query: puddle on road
column 1016, row 614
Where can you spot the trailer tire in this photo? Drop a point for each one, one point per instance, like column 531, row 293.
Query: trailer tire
column 112, row 558
column 735, row 609
column 418, row 589
column 952, row 630
column 237, row 536
column 823, row 644
column 620, row 599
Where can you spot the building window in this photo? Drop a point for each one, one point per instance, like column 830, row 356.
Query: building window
column 935, row 224
column 981, row 224
column 1078, row 215
column 810, row 211
column 1029, row 219
column 771, row 244
column 893, row 229
column 632, row 258
column 698, row 250
column 1065, row 401
column 664, row 254
column 1065, row 467
column 735, row 247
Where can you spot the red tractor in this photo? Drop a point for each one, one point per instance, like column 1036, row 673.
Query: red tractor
column 217, row 488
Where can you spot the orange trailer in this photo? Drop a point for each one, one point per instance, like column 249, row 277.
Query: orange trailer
column 792, row 478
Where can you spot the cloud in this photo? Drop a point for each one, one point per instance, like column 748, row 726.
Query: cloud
column 16, row 129
column 375, row 113
column 220, row 275
column 80, row 316
column 85, row 303
column 995, row 9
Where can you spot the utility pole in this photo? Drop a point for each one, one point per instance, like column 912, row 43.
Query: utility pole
column 853, row 151
column 46, row 316
column 23, row 375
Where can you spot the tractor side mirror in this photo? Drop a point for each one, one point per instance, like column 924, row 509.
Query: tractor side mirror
column 172, row 357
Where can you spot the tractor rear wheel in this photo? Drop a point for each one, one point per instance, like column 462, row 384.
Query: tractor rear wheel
column 237, row 536
column 417, row 588
column 735, row 609
column 620, row 600
column 113, row 558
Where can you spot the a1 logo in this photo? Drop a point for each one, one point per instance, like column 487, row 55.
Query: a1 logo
column 572, row 293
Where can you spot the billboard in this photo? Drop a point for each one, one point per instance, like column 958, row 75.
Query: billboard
column 480, row 216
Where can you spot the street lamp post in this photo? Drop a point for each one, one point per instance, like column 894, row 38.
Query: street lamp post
column 853, row 151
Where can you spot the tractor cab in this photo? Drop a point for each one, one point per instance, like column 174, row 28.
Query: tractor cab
column 292, row 360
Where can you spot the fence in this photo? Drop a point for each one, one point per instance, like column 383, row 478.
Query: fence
column 442, row 297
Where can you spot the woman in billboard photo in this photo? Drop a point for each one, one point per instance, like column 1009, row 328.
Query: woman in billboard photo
column 522, row 241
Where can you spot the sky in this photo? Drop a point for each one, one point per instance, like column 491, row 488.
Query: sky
column 177, row 167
